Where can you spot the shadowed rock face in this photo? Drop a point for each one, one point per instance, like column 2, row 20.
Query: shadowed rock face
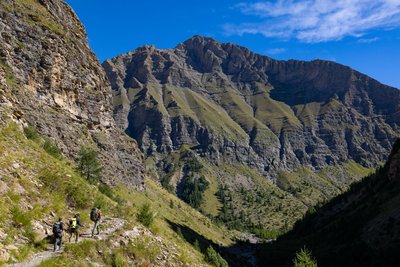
column 364, row 221
column 51, row 79
column 233, row 105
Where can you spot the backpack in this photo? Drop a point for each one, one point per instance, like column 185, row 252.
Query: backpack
column 57, row 231
column 73, row 223
column 94, row 214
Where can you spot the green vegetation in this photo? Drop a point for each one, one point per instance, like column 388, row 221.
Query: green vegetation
column 88, row 164
column 51, row 149
column 314, row 188
column 193, row 190
column 214, row 258
column 357, row 222
column 145, row 216
column 304, row 259
column 31, row 133
column 10, row 80
column 37, row 182
column 37, row 14
column 40, row 184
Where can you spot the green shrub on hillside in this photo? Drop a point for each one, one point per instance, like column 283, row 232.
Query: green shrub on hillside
column 145, row 215
column 20, row 218
column 214, row 258
column 88, row 164
column 304, row 259
column 51, row 149
column 31, row 133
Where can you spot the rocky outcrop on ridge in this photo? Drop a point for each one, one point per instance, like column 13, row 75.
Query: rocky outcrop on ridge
column 50, row 79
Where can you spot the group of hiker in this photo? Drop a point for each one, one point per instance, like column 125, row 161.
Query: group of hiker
column 73, row 227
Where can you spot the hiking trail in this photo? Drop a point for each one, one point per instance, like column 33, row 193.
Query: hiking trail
column 109, row 226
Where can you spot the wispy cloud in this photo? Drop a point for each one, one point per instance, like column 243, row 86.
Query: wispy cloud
column 368, row 40
column 275, row 51
column 317, row 20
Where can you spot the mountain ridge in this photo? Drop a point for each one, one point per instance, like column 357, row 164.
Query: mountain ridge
column 233, row 67
column 312, row 128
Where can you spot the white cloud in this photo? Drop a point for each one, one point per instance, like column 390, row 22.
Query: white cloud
column 317, row 20
column 275, row 51
column 368, row 40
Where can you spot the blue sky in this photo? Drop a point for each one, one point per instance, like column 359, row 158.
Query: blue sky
column 363, row 34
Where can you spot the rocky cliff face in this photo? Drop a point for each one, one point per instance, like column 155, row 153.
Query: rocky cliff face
column 234, row 106
column 50, row 78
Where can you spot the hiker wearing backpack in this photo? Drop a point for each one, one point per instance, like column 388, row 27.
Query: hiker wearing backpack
column 58, row 229
column 95, row 216
column 74, row 225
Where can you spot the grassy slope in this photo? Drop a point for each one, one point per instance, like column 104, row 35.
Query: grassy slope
column 251, row 201
column 358, row 228
column 314, row 187
column 34, row 184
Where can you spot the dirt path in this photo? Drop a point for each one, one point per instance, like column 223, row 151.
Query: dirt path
column 108, row 227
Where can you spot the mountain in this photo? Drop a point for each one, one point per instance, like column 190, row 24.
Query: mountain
column 52, row 81
column 358, row 228
column 238, row 106
column 312, row 128
column 55, row 97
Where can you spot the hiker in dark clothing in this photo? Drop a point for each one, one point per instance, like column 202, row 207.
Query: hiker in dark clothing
column 58, row 229
column 74, row 225
column 95, row 216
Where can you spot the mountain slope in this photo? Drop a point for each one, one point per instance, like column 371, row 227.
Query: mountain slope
column 236, row 106
column 50, row 79
column 55, row 97
column 38, row 187
column 312, row 128
column 358, row 228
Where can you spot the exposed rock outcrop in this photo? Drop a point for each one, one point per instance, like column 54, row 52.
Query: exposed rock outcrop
column 234, row 106
column 51, row 79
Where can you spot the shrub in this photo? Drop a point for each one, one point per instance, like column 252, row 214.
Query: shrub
column 144, row 249
column 31, row 133
column 118, row 260
column 88, row 164
column 106, row 190
column 214, row 258
column 304, row 259
column 20, row 218
column 51, row 149
column 196, row 245
column 145, row 215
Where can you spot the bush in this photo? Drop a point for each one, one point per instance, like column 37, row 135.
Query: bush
column 20, row 218
column 106, row 190
column 51, row 149
column 118, row 260
column 214, row 258
column 31, row 133
column 304, row 259
column 145, row 215
column 88, row 164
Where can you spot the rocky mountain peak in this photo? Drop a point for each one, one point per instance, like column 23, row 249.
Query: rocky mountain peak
column 271, row 114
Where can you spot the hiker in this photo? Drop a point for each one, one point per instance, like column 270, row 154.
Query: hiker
column 57, row 233
column 95, row 216
column 74, row 225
